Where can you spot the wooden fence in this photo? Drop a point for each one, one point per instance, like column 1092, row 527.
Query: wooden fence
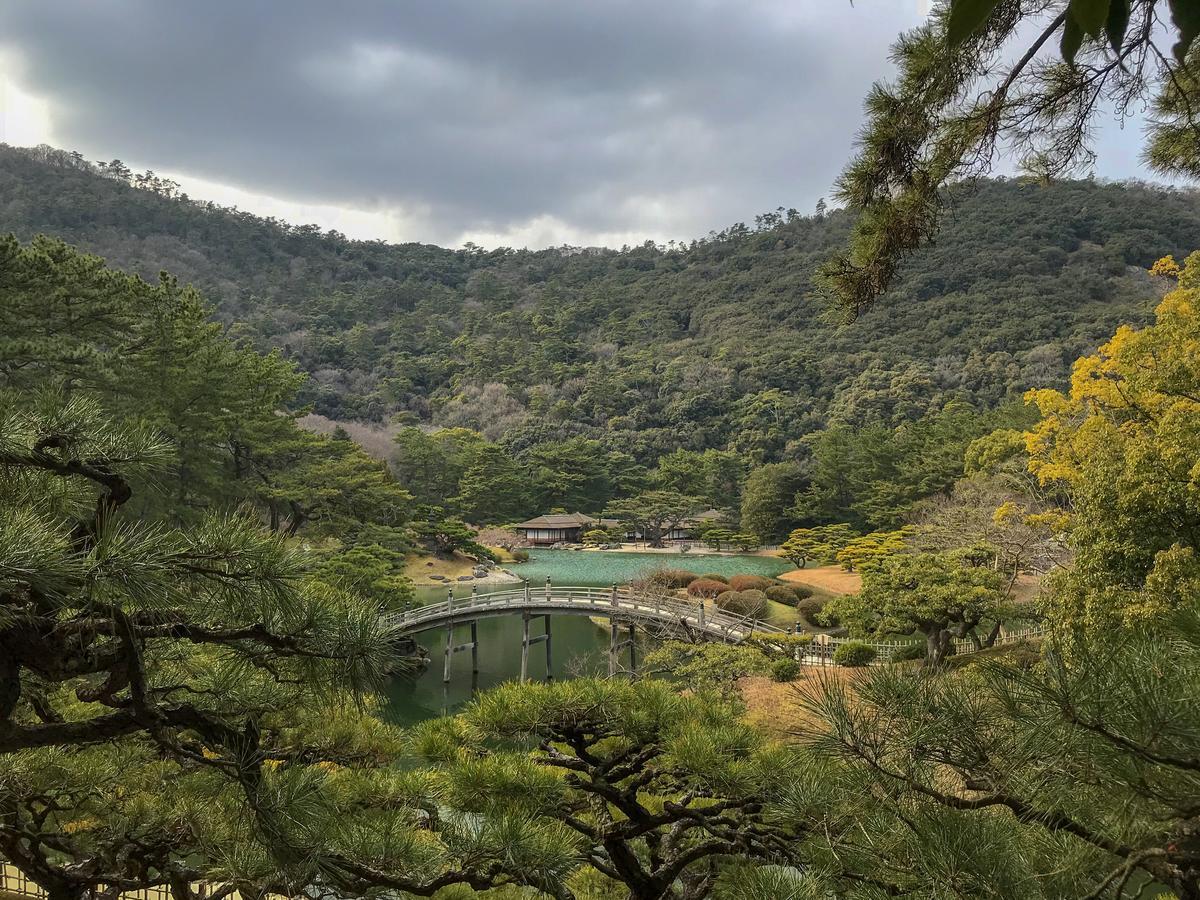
column 15, row 884
column 820, row 651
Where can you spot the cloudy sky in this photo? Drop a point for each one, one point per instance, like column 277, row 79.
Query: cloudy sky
column 519, row 122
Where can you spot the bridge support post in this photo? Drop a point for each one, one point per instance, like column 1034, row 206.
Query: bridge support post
column 612, row 647
column 524, row 644
column 615, row 646
column 547, row 588
column 526, row 640
column 451, row 649
column 474, row 648
column 472, row 645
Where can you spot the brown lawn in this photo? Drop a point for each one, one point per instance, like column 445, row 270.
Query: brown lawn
column 830, row 579
column 835, row 580
column 777, row 708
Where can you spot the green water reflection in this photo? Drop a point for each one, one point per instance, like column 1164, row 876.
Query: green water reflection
column 591, row 567
column 580, row 646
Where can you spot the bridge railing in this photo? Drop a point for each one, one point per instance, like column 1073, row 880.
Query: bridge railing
column 658, row 607
column 645, row 605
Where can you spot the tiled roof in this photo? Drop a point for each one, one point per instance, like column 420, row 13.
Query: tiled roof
column 559, row 520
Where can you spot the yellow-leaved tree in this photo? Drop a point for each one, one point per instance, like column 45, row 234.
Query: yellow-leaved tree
column 1124, row 445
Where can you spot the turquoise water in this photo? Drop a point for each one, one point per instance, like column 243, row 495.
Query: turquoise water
column 580, row 646
column 588, row 567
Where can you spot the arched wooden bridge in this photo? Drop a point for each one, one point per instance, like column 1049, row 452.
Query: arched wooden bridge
column 625, row 608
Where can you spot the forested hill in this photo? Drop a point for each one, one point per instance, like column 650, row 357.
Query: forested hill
column 716, row 344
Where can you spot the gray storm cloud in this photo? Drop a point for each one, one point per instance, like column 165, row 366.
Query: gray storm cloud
column 665, row 118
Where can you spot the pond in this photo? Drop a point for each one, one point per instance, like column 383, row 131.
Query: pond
column 588, row 567
column 580, row 645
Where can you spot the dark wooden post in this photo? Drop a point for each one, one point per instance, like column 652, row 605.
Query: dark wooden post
column 524, row 646
column 449, row 635
column 612, row 647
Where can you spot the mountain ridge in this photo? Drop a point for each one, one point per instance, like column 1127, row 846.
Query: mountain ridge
column 721, row 343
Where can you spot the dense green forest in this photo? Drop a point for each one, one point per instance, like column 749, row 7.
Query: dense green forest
column 719, row 343
column 593, row 373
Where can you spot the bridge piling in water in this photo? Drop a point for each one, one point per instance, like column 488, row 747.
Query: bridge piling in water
column 526, row 641
column 452, row 648
column 472, row 645
column 615, row 646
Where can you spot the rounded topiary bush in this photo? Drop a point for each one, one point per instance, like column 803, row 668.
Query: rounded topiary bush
column 755, row 602
column 744, row 603
column 671, row 578
column 781, row 594
column 810, row 607
column 854, row 654
column 749, row 583
column 802, row 591
column 706, row 587
column 785, row 669
column 715, row 576
column 725, row 598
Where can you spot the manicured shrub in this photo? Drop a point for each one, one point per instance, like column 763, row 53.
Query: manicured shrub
column 706, row 587
column 802, row 591
column 725, row 598
column 810, row 608
column 671, row 578
column 785, row 669
column 854, row 654
column 909, row 652
column 744, row 603
column 781, row 594
column 749, row 583
column 714, row 576
column 520, row 555
column 595, row 536
column 755, row 601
